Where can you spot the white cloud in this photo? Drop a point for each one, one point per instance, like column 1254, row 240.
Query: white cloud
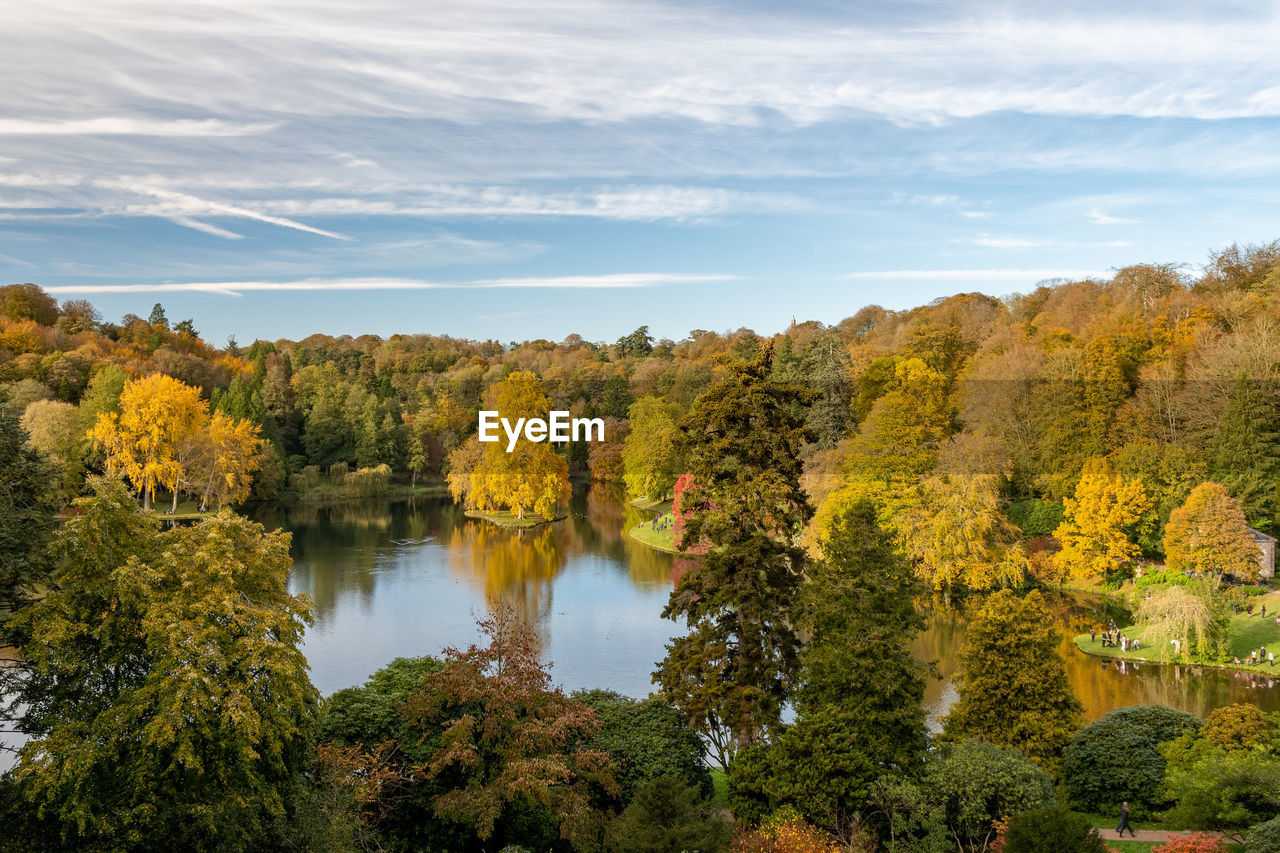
column 1100, row 217
column 994, row 242
column 237, row 288
column 1030, row 275
column 129, row 126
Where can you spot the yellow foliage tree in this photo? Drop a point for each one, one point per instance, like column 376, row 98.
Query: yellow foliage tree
column 900, row 437
column 959, row 537
column 1208, row 533
column 1092, row 533
column 218, row 461
column 531, row 476
column 157, row 413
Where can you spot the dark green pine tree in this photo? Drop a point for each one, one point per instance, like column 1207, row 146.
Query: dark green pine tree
column 859, row 711
column 733, row 672
column 1014, row 692
column 1244, row 452
column 28, row 500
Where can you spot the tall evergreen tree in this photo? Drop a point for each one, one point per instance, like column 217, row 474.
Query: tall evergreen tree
column 28, row 499
column 1014, row 691
column 859, row 707
column 1244, row 452
column 732, row 673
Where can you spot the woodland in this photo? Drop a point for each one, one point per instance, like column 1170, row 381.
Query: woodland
column 1115, row 434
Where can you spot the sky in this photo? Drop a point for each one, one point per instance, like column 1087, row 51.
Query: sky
column 510, row 170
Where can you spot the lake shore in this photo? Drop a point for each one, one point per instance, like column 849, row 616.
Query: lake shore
column 1245, row 634
column 660, row 540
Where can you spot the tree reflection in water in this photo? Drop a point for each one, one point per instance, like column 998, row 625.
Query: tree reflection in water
column 1101, row 684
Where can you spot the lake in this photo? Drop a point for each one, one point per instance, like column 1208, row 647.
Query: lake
column 409, row 578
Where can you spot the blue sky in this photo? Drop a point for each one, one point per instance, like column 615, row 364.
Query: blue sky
column 511, row 170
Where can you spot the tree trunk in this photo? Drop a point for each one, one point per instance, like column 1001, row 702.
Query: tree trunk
column 174, row 511
column 146, row 499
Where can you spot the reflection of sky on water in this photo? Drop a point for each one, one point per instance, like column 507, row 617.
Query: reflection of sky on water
column 409, row 579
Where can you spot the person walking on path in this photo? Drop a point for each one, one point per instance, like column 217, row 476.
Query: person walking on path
column 1124, row 822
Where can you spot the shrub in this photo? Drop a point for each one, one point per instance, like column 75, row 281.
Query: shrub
column 1263, row 838
column 667, row 816
column 785, row 832
column 973, row 784
column 338, row 471
column 1199, row 842
column 1035, row 517
column 1054, row 829
column 1117, row 757
column 1239, row 726
column 646, row 739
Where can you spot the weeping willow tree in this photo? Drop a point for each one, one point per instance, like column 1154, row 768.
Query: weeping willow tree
column 1195, row 615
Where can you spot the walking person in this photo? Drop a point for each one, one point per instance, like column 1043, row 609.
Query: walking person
column 1124, row 822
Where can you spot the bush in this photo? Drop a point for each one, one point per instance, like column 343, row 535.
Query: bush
column 367, row 482
column 1035, row 517
column 1052, row 830
column 1199, row 842
column 1263, row 838
column 667, row 816
column 1159, row 577
column 373, row 713
column 1117, row 758
column 338, row 471
column 785, row 832
column 1213, row 788
column 973, row 784
column 646, row 739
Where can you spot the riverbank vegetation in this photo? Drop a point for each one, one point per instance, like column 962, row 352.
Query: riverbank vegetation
column 827, row 476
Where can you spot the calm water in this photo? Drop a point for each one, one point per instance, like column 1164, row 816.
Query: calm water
column 410, row 578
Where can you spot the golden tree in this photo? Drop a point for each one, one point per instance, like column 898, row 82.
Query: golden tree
column 531, row 476
column 1093, row 536
column 1208, row 533
column 959, row 536
column 218, row 461
column 157, row 413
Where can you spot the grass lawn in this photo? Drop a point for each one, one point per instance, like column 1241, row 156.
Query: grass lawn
column 1246, row 633
column 720, row 789
column 509, row 519
column 663, row 540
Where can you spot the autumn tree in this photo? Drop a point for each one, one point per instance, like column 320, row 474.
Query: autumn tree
column 219, row 460
column 531, row 476
column 157, row 413
column 959, row 536
column 161, row 684
column 508, row 742
column 651, row 455
column 1093, row 533
column 53, row 428
column 1209, row 533
column 904, row 427
column 733, row 671
column 1014, row 691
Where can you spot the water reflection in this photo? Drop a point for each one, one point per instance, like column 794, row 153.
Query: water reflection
column 409, row 578
column 1101, row 684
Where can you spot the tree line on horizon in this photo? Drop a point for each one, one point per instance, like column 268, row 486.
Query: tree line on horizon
column 1136, row 388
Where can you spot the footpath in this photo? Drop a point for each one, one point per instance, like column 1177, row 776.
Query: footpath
column 1161, row 835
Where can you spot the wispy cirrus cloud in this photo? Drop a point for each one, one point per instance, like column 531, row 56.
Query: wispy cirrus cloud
column 131, row 126
column 1027, row 275
column 611, row 281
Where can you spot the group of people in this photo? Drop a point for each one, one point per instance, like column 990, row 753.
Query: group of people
column 1113, row 638
column 660, row 522
column 1257, row 656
